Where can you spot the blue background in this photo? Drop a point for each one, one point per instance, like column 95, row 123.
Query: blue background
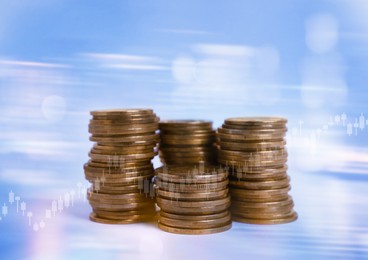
column 304, row 60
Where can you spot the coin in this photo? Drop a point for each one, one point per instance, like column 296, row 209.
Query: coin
column 122, row 112
column 169, row 124
column 194, row 217
column 231, row 137
column 119, row 207
column 95, row 131
column 188, row 231
column 197, row 224
column 261, row 185
column 132, row 219
column 252, row 146
column 183, row 187
column 189, row 174
column 230, row 131
column 194, row 210
column 255, row 121
column 283, row 220
column 195, row 196
column 120, row 121
column 188, row 204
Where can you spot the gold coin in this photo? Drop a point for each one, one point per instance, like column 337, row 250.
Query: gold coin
column 132, row 219
column 252, row 171
column 110, row 131
column 127, row 157
column 115, row 177
column 187, row 131
column 188, row 231
column 187, row 154
column 239, row 176
column 252, row 146
column 254, row 137
column 253, row 164
column 254, row 127
column 119, row 201
column 122, row 112
column 189, row 174
column 135, row 148
column 117, row 164
column 183, row 141
column 122, row 152
column 192, row 179
column 132, row 144
column 126, row 138
column 142, row 217
column 187, row 161
column 239, row 192
column 261, row 185
column 120, row 169
column 194, row 210
column 123, row 181
column 255, row 121
column 260, row 199
column 262, row 155
column 124, row 121
column 122, row 126
column 287, row 219
column 186, row 149
column 169, row 124
column 197, row 224
column 277, row 131
column 120, row 207
column 162, row 202
column 122, row 214
column 262, row 205
column 194, row 196
column 105, row 196
column 194, row 217
column 182, row 187
column 263, row 216
column 122, row 189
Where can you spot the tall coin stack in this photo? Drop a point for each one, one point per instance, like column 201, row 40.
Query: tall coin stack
column 120, row 167
column 187, row 142
column 193, row 200
column 253, row 150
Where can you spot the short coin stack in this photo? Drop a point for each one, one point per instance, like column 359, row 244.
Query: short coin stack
column 120, row 167
column 187, row 142
column 193, row 200
column 253, row 150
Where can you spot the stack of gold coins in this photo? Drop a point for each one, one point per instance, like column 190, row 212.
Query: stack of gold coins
column 253, row 150
column 120, row 167
column 193, row 200
column 187, row 142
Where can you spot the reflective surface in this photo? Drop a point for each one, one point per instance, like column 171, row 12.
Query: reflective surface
column 305, row 61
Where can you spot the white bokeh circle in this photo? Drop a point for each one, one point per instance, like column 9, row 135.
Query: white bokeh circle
column 53, row 108
column 321, row 33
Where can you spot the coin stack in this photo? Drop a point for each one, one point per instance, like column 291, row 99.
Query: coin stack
column 187, row 142
column 253, row 150
column 120, row 167
column 193, row 200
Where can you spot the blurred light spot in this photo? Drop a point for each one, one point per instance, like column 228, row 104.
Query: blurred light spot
column 228, row 73
column 224, row 50
column 183, row 69
column 53, row 108
column 321, row 33
column 323, row 81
